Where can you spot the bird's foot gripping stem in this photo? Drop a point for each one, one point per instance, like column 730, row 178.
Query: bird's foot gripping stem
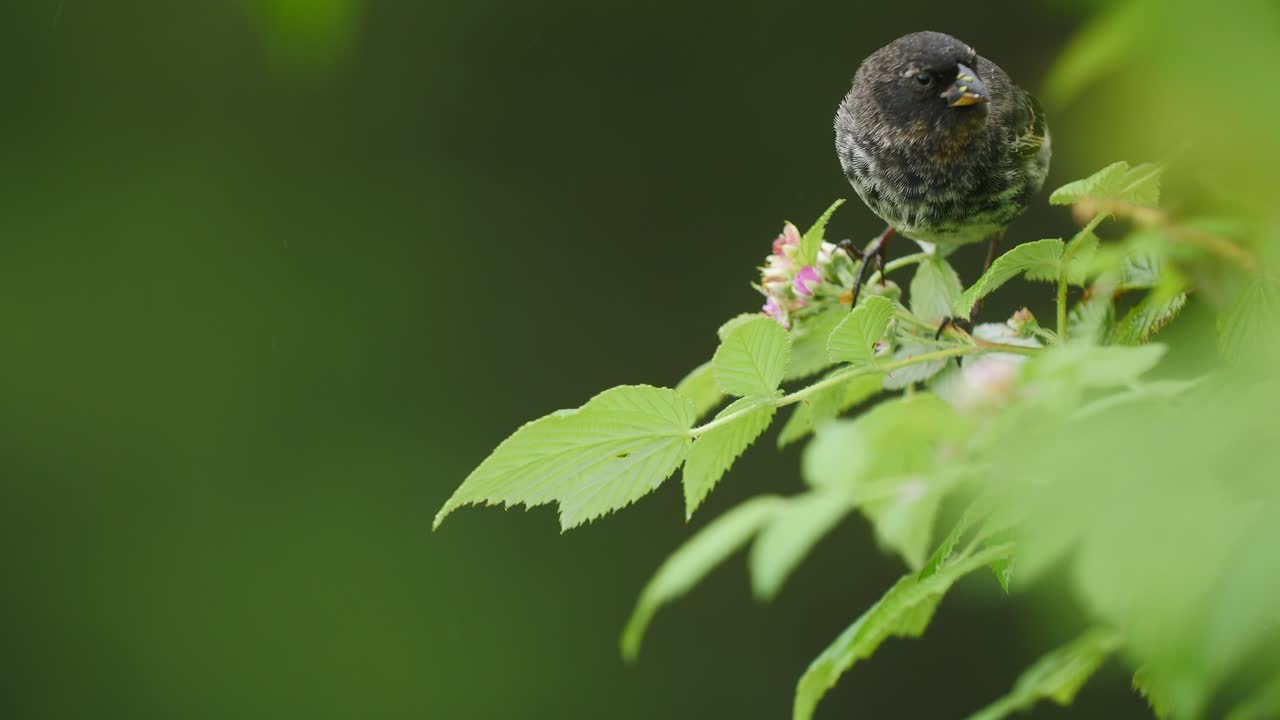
column 964, row 325
column 876, row 249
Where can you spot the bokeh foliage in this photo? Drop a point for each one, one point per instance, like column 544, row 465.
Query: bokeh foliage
column 248, row 354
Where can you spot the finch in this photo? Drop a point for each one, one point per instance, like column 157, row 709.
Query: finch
column 940, row 144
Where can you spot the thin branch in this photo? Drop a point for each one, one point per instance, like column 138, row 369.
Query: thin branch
column 1154, row 217
column 854, row 371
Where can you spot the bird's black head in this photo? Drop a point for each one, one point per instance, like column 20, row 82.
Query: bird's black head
column 927, row 80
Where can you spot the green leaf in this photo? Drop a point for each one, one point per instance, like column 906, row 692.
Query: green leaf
column 1091, row 318
column 1247, row 330
column 934, row 289
column 752, row 358
column 916, row 372
column 904, row 611
column 1147, row 318
column 1003, row 569
column 1149, row 688
column 736, row 322
column 600, row 457
column 789, row 536
column 692, row 561
column 1139, row 184
column 1039, row 260
column 701, row 388
column 714, row 451
column 826, row 405
column 1263, row 704
column 1105, row 183
column 1080, row 256
column 812, row 241
column 1095, row 366
column 897, row 438
column 1057, row 676
column 809, row 342
column 1139, row 270
column 946, row 550
column 904, row 521
column 854, row 340
column 889, row 458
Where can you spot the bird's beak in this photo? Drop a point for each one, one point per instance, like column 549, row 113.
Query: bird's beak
column 966, row 90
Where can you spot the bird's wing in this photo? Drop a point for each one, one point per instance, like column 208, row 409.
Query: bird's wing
column 1031, row 135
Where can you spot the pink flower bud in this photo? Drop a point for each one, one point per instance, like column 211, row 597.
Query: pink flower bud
column 775, row 311
column 790, row 238
column 776, row 269
column 806, row 280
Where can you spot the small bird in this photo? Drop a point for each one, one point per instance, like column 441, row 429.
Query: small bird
column 940, row 144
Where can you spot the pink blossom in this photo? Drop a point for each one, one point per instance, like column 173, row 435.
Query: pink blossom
column 776, row 270
column 790, row 238
column 776, row 311
column 989, row 379
column 806, row 280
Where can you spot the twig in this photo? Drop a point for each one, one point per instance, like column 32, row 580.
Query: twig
column 1154, row 217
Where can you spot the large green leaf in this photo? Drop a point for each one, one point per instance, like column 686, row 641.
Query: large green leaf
column 1094, row 366
column 915, row 372
column 904, row 611
column 1039, row 260
column 898, row 438
column 934, row 289
column 714, row 451
column 812, row 240
column 789, row 536
column 1248, row 330
column 904, row 520
column 1261, row 705
column 854, row 340
column 1149, row 688
column 826, row 404
column 701, row 388
column 809, row 342
column 692, row 561
column 1147, row 318
column 752, row 358
column 1139, row 184
column 592, row 460
column 1057, row 676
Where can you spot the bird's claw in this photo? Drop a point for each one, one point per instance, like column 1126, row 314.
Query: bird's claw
column 876, row 249
column 853, row 250
column 964, row 325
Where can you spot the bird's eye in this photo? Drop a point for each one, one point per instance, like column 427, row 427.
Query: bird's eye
column 924, row 78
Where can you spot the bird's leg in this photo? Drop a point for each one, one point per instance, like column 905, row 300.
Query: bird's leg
column 966, row 325
column 852, row 250
column 961, row 324
column 993, row 246
column 876, row 248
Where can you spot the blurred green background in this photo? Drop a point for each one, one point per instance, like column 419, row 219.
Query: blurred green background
column 277, row 275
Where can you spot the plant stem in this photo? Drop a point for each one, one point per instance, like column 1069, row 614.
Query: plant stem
column 851, row 372
column 904, row 261
column 1005, row 348
column 1062, row 274
column 1062, row 309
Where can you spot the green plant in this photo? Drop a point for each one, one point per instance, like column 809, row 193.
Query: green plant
column 1141, row 471
column 992, row 423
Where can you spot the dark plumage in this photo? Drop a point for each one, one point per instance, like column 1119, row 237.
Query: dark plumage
column 939, row 142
